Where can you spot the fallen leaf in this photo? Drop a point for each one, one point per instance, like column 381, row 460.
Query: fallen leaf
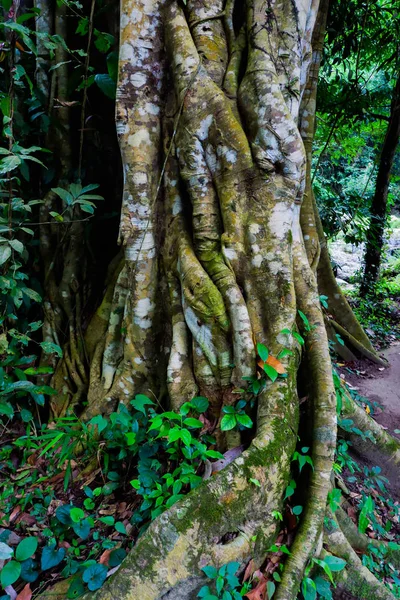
column 103, row 560
column 15, row 513
column 249, row 570
column 259, row 592
column 26, row 593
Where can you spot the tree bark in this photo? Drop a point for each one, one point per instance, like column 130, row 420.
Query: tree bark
column 373, row 250
column 220, row 238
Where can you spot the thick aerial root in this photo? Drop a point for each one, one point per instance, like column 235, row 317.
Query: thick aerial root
column 385, row 445
column 355, row 578
column 324, row 427
column 360, row 542
column 357, row 345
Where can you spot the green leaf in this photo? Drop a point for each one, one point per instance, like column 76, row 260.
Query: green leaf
column 106, row 84
column 94, row 576
column 298, row 337
column 28, row 570
column 26, row 548
column 107, row 520
column 76, row 515
column 32, row 294
column 228, row 422
column 270, row 589
column 10, row 573
column 116, row 557
column 305, row 320
column 186, row 437
column 64, row 195
column 334, row 563
column 76, row 588
column 308, row 589
column 210, row 571
column 262, row 352
column 51, row 348
column 100, row 421
column 271, row 372
column 6, row 409
column 297, row 510
column 63, row 514
column 289, row 492
column 255, row 481
column 199, row 404
column 9, row 163
column 120, row 527
column 195, row 423
column 140, row 401
column 323, row 588
column 82, row 529
column 17, row 246
column 5, row 253
column 6, row 551
column 244, row 420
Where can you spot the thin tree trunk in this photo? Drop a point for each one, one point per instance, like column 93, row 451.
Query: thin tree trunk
column 373, row 251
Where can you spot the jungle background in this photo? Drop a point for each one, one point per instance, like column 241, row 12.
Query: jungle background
column 76, row 493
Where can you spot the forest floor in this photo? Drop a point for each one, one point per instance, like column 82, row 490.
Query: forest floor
column 381, row 385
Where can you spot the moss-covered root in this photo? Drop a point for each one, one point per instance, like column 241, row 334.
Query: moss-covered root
column 355, row 578
column 387, row 446
column 360, row 542
column 324, row 424
column 168, row 558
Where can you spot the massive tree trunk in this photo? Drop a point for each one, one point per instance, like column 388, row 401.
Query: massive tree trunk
column 221, row 243
column 373, row 251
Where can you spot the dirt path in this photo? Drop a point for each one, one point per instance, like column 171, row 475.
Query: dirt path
column 381, row 385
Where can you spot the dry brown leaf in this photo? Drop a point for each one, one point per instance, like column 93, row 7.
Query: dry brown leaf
column 259, row 592
column 104, row 558
column 276, row 364
column 26, row 593
column 249, row 570
column 14, row 513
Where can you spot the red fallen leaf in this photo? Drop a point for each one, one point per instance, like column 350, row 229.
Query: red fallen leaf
column 259, row 592
column 249, row 570
column 104, row 558
column 26, row 593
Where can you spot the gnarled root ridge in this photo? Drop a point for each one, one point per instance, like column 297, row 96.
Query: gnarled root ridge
column 228, row 268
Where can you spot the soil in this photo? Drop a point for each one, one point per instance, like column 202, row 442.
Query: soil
column 380, row 385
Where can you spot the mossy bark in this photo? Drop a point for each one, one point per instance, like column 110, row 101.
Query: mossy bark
column 215, row 114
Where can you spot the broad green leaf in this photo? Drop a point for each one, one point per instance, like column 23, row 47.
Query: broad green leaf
column 195, row 423
column 17, row 246
column 210, row 571
column 51, row 348
column 26, row 548
column 140, row 401
column 244, row 420
column 9, row 163
column 199, row 404
column 334, row 563
column 106, row 84
column 262, row 352
column 228, row 422
column 94, row 576
column 10, row 573
column 64, row 195
column 271, row 372
column 116, row 557
column 308, row 589
column 100, row 421
column 5, row 253
column 120, row 527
